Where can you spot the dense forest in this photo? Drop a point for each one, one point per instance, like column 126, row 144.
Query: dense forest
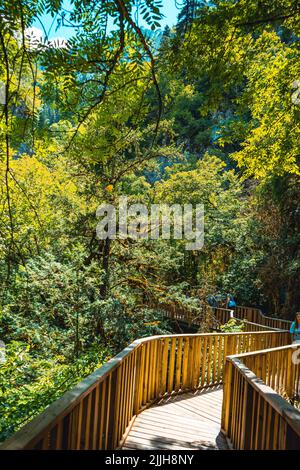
column 204, row 112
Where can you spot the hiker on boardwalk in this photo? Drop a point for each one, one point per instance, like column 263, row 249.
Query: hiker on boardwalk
column 295, row 329
column 230, row 303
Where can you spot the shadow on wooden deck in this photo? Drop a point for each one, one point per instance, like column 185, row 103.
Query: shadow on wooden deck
column 190, row 421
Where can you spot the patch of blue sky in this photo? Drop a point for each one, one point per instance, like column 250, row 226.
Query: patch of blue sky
column 48, row 24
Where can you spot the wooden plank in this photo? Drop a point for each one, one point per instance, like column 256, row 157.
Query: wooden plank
column 102, row 397
column 172, row 366
column 185, row 364
column 184, row 421
column 209, row 359
column 123, row 402
column 204, row 368
column 146, row 376
column 108, row 415
column 96, row 412
column 81, row 424
column 80, row 413
column 152, row 423
column 88, row 422
column 178, row 365
column 59, row 436
column 165, row 365
column 169, row 432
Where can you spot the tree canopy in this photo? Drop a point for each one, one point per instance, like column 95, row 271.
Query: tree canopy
column 203, row 112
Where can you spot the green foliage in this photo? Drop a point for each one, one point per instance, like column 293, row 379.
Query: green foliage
column 232, row 326
column 29, row 383
column 271, row 144
column 248, row 66
column 209, row 116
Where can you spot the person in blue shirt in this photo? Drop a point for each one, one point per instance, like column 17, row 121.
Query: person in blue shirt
column 230, row 302
column 295, row 329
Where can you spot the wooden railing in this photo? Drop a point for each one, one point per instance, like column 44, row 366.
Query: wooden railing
column 255, row 315
column 223, row 315
column 99, row 411
column 191, row 316
column 256, row 413
column 254, row 319
column 250, row 326
column 279, row 368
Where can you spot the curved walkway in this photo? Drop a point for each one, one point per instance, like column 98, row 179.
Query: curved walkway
column 189, row 421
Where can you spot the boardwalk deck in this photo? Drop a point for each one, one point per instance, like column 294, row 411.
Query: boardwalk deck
column 159, row 365
column 184, row 422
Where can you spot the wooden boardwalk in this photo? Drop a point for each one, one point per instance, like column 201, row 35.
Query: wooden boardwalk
column 190, row 421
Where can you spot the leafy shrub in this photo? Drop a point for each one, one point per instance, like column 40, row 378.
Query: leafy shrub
column 232, row 326
column 29, row 384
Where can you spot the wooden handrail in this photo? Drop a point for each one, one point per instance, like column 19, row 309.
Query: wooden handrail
column 223, row 315
column 97, row 413
column 250, row 326
column 255, row 315
column 276, row 368
column 254, row 319
column 255, row 415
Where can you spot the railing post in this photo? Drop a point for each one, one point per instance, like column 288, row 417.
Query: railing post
column 289, row 371
column 113, row 424
column 229, row 351
column 247, row 417
column 137, row 382
column 227, row 396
